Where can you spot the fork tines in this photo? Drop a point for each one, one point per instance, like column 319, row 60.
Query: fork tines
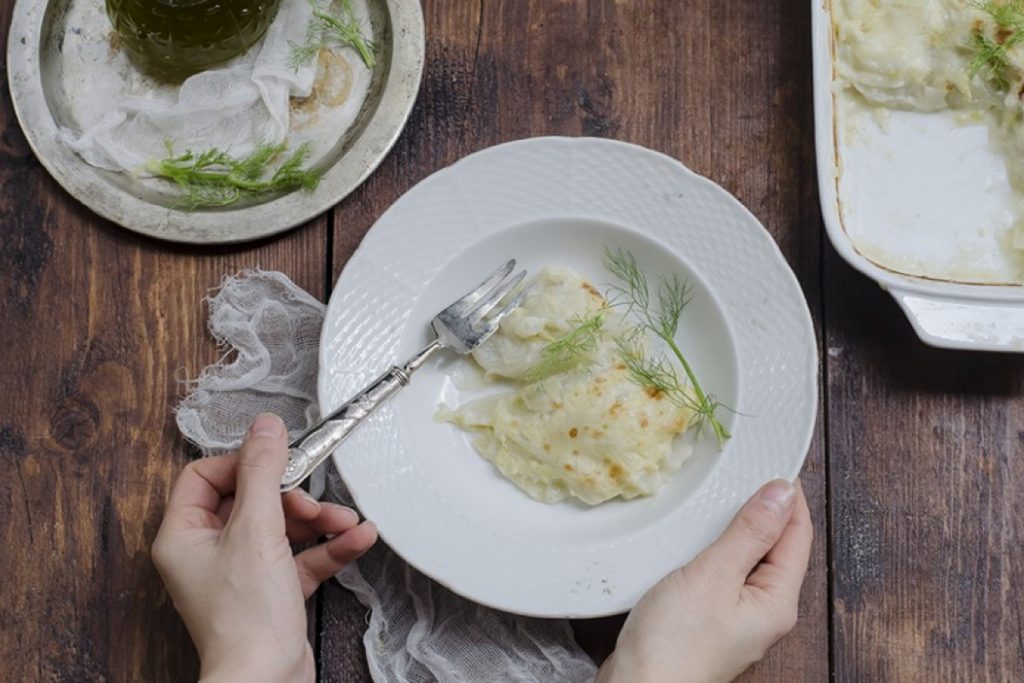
column 475, row 306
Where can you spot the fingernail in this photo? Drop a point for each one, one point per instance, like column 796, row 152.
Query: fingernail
column 267, row 425
column 308, row 497
column 779, row 496
column 355, row 515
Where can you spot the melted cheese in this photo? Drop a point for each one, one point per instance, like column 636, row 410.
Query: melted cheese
column 589, row 433
column 558, row 298
column 905, row 53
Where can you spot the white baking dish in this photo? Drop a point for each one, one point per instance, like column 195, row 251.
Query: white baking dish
column 919, row 203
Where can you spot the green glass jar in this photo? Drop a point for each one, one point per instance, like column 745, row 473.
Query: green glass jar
column 177, row 38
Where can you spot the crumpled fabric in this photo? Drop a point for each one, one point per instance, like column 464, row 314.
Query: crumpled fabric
column 418, row 631
column 269, row 331
column 232, row 108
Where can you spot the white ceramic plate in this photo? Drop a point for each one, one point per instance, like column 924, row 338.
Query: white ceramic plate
column 923, row 207
column 561, row 201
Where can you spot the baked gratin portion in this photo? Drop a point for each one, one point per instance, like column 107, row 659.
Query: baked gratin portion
column 576, row 423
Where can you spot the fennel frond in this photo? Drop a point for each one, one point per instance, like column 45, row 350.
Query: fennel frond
column 214, row 178
column 569, row 350
column 990, row 51
column 661, row 317
column 324, row 27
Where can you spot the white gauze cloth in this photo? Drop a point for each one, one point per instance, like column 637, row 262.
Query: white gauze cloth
column 418, row 631
column 232, row 108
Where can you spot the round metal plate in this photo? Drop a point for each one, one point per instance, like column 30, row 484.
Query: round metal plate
column 34, row 46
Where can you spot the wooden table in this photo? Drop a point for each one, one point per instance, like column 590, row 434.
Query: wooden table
column 916, row 572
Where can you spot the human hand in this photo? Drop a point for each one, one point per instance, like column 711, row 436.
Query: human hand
column 224, row 553
column 710, row 620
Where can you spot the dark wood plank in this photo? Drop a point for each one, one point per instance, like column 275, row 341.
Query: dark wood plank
column 97, row 325
column 926, row 470
column 723, row 86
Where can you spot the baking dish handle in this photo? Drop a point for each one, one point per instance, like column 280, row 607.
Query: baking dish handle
column 955, row 323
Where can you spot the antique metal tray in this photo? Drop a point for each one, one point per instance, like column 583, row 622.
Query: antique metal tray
column 39, row 74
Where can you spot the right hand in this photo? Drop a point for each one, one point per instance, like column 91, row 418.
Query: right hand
column 710, row 620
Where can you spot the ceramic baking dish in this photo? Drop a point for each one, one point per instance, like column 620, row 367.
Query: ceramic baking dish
column 920, row 203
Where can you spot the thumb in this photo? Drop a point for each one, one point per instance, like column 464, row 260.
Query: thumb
column 753, row 531
column 261, row 462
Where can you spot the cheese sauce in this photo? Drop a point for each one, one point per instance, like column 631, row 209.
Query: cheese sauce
column 588, row 432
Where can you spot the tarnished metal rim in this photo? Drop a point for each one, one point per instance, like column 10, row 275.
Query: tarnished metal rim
column 87, row 184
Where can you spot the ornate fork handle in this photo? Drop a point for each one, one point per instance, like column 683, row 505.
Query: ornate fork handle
column 308, row 452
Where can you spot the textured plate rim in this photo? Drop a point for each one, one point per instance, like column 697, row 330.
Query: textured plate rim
column 807, row 335
column 85, row 184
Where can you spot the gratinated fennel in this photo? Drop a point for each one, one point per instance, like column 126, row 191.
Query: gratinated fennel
column 578, row 424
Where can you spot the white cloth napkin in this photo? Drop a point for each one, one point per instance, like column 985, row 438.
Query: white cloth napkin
column 233, row 108
column 418, row 631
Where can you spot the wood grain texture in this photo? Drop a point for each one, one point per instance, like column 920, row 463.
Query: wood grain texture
column 924, row 453
column 723, row 86
column 98, row 325
column 913, row 475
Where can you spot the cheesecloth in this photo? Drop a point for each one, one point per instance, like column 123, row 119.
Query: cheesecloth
column 418, row 631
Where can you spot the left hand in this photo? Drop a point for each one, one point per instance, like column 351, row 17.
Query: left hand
column 224, row 551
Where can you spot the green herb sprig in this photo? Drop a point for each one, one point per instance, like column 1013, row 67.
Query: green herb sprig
column 214, row 178
column 660, row 315
column 324, row 27
column 653, row 372
column 569, row 350
column 990, row 51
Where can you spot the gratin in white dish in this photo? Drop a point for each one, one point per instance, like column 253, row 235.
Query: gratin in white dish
column 923, row 194
column 559, row 201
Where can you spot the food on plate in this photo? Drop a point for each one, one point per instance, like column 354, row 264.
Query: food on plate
column 577, row 425
column 582, row 420
column 934, row 55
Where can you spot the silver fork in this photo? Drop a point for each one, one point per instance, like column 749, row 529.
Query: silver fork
column 461, row 327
